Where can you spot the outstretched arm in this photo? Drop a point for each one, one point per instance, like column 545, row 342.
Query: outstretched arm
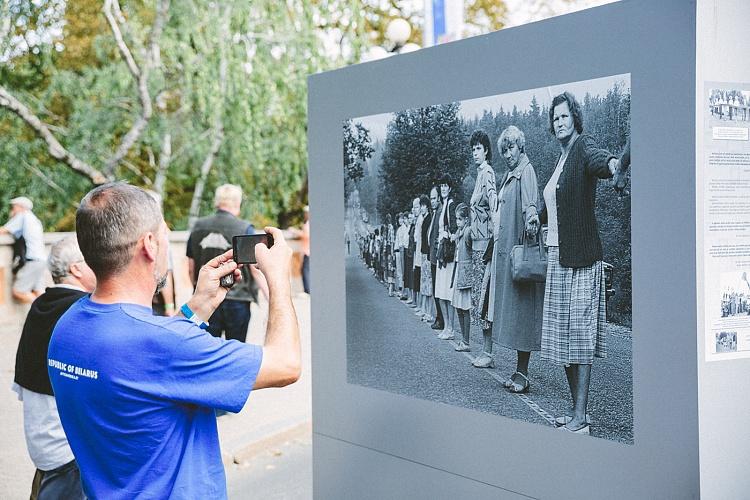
column 620, row 179
column 282, row 358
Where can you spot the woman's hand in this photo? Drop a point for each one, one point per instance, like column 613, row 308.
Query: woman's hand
column 532, row 226
column 614, row 165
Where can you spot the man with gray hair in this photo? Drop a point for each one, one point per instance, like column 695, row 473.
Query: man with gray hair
column 28, row 232
column 57, row 474
column 138, row 393
column 212, row 236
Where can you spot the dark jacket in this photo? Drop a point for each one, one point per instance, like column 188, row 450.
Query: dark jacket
column 425, row 245
column 433, row 233
column 212, row 236
column 449, row 220
column 412, row 248
column 578, row 233
column 31, row 356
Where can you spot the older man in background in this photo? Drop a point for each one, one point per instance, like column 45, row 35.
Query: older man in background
column 212, row 236
column 57, row 475
column 29, row 255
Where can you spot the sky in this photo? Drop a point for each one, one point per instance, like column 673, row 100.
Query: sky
column 470, row 108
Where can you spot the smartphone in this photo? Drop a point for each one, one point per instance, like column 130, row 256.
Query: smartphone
column 244, row 246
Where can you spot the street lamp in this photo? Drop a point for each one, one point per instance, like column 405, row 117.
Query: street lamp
column 397, row 34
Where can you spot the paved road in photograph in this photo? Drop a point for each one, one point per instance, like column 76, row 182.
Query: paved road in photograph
column 388, row 348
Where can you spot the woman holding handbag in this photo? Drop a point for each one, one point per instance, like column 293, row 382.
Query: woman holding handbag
column 574, row 297
column 446, row 254
column 515, row 306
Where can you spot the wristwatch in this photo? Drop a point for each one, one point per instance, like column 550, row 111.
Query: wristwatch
column 189, row 314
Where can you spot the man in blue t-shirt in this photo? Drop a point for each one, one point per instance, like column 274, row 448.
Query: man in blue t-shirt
column 137, row 393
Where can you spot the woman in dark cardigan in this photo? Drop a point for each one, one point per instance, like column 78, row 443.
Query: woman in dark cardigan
column 574, row 296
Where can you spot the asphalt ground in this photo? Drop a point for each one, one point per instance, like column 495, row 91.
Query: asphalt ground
column 390, row 349
column 281, row 471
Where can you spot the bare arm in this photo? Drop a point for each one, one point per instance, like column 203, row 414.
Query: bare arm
column 282, row 358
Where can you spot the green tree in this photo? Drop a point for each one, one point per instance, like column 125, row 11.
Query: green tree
column 421, row 145
column 203, row 106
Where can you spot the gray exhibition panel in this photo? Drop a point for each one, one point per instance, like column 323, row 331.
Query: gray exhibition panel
column 385, row 443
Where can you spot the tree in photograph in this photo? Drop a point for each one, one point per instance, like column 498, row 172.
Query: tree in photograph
column 357, row 149
column 421, row 145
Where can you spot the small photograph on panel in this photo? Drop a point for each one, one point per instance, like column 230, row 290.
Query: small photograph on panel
column 726, row 342
column 729, row 105
column 488, row 255
column 735, row 295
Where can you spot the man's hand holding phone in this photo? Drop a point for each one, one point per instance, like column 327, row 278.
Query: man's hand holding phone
column 208, row 290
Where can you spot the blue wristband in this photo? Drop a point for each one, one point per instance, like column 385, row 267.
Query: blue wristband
column 189, row 314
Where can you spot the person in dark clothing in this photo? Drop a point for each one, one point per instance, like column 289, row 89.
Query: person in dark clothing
column 432, row 239
column 57, row 474
column 212, row 236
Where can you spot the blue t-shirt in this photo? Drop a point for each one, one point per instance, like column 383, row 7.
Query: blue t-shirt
column 136, row 395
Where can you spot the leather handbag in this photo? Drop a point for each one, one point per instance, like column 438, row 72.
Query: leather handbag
column 446, row 251
column 528, row 261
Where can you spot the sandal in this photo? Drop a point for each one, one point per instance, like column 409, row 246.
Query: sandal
column 585, row 429
column 560, row 421
column 517, row 388
column 510, row 381
column 462, row 347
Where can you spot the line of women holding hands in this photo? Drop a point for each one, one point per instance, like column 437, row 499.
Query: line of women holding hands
column 565, row 316
column 465, row 257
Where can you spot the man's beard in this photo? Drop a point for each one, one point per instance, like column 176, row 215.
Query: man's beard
column 161, row 282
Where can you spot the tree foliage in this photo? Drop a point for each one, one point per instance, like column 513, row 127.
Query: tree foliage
column 357, row 149
column 83, row 91
column 422, row 144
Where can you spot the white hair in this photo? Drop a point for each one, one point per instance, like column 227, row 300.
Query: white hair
column 228, row 194
column 62, row 254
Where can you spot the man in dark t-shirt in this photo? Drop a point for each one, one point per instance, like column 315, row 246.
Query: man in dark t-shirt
column 212, row 236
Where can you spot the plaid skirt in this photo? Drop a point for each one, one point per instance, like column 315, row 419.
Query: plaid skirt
column 575, row 313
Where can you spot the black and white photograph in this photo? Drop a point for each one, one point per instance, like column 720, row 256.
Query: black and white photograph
column 729, row 104
column 735, row 294
column 726, row 342
column 488, row 255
